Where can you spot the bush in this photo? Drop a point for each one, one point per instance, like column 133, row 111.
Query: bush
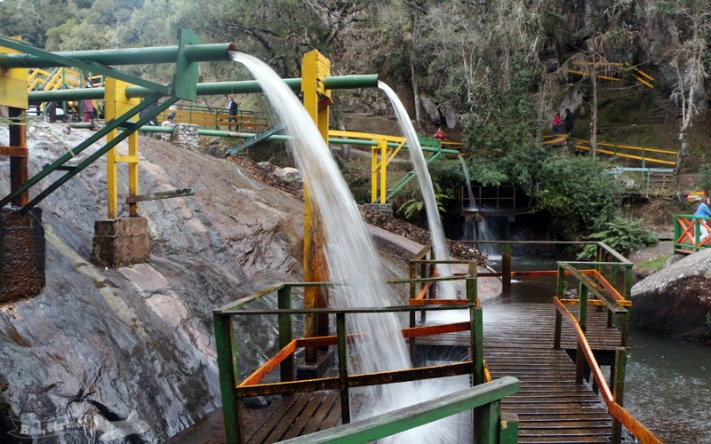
column 579, row 193
column 624, row 235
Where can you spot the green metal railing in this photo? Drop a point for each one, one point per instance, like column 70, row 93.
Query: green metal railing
column 233, row 390
column 487, row 395
column 605, row 282
column 688, row 233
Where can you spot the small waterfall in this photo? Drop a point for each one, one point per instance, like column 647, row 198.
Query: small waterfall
column 353, row 260
column 439, row 242
column 479, row 227
column 472, row 203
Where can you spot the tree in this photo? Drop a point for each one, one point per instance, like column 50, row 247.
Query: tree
column 688, row 62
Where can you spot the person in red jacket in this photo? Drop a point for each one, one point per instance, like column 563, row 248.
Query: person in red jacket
column 556, row 123
column 439, row 135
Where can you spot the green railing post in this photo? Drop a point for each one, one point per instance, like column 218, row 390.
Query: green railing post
column 508, row 431
column 286, row 333
column 227, row 366
column 413, row 315
column 343, row 367
column 561, row 283
column 487, row 423
column 618, row 389
column 558, row 330
column 579, row 356
column 477, row 343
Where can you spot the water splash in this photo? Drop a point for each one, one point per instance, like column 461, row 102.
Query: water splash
column 439, row 242
column 353, row 260
column 478, row 227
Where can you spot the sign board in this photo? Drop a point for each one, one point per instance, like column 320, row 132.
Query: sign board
column 695, row 196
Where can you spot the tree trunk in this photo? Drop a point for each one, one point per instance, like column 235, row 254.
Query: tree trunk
column 416, row 95
column 593, row 111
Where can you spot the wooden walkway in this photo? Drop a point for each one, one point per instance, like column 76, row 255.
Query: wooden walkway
column 518, row 341
column 551, row 408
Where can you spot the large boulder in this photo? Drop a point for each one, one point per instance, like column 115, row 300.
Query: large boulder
column 677, row 300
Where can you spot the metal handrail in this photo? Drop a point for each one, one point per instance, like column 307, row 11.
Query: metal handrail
column 381, row 426
column 687, row 233
column 616, row 410
column 232, row 389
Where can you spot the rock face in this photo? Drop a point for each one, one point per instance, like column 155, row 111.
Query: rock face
column 101, row 353
column 676, row 301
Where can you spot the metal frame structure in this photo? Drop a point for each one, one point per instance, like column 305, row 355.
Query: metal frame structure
column 486, row 414
column 598, row 286
column 687, row 233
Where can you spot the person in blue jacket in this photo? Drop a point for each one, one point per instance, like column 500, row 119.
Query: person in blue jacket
column 703, row 211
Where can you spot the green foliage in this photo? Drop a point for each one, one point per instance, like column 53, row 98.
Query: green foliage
column 414, row 209
column 705, row 174
column 578, row 192
column 623, row 235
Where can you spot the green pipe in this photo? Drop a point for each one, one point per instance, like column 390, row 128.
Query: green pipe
column 126, row 56
column 274, row 138
column 203, row 89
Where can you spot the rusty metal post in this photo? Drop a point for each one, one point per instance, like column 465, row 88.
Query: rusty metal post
column 579, row 356
column 343, row 368
column 286, row 333
column 618, row 389
column 315, row 67
column 506, row 269
column 18, row 154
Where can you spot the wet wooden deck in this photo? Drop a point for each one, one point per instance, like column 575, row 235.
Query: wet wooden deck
column 551, row 408
column 284, row 418
column 518, row 341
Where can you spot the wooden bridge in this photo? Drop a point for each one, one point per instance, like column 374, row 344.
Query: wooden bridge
column 538, row 363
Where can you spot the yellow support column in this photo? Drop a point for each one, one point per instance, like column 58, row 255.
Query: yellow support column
column 383, row 145
column 315, row 67
column 116, row 104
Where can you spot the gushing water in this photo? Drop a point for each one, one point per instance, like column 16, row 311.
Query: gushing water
column 439, row 242
column 470, row 194
column 352, row 259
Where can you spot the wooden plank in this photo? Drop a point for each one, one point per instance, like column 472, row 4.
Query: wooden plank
column 329, row 407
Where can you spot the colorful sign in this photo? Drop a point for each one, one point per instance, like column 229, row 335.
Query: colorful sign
column 695, row 196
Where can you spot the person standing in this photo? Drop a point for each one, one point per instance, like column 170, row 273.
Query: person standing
column 703, row 211
column 232, row 111
column 568, row 121
column 556, row 123
column 170, row 123
column 88, row 110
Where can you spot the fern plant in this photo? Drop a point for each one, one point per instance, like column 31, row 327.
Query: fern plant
column 624, row 235
column 413, row 210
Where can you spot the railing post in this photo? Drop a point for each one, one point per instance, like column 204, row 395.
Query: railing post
column 343, row 367
column 558, row 329
column 618, row 389
column 286, row 329
column 579, row 356
column 561, row 283
column 413, row 314
column 487, row 423
column 506, row 269
column 227, row 365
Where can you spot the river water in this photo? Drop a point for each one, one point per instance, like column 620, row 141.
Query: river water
column 668, row 383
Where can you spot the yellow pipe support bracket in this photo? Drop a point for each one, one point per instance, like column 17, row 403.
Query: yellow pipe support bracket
column 314, row 69
column 117, row 104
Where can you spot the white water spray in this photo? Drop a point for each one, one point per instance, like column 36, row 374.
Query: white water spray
column 439, row 242
column 352, row 259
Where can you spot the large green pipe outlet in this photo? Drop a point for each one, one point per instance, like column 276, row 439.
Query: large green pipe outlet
column 204, row 89
column 128, row 56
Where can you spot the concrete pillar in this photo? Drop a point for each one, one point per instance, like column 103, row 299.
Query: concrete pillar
column 121, row 242
column 185, row 136
column 22, row 254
